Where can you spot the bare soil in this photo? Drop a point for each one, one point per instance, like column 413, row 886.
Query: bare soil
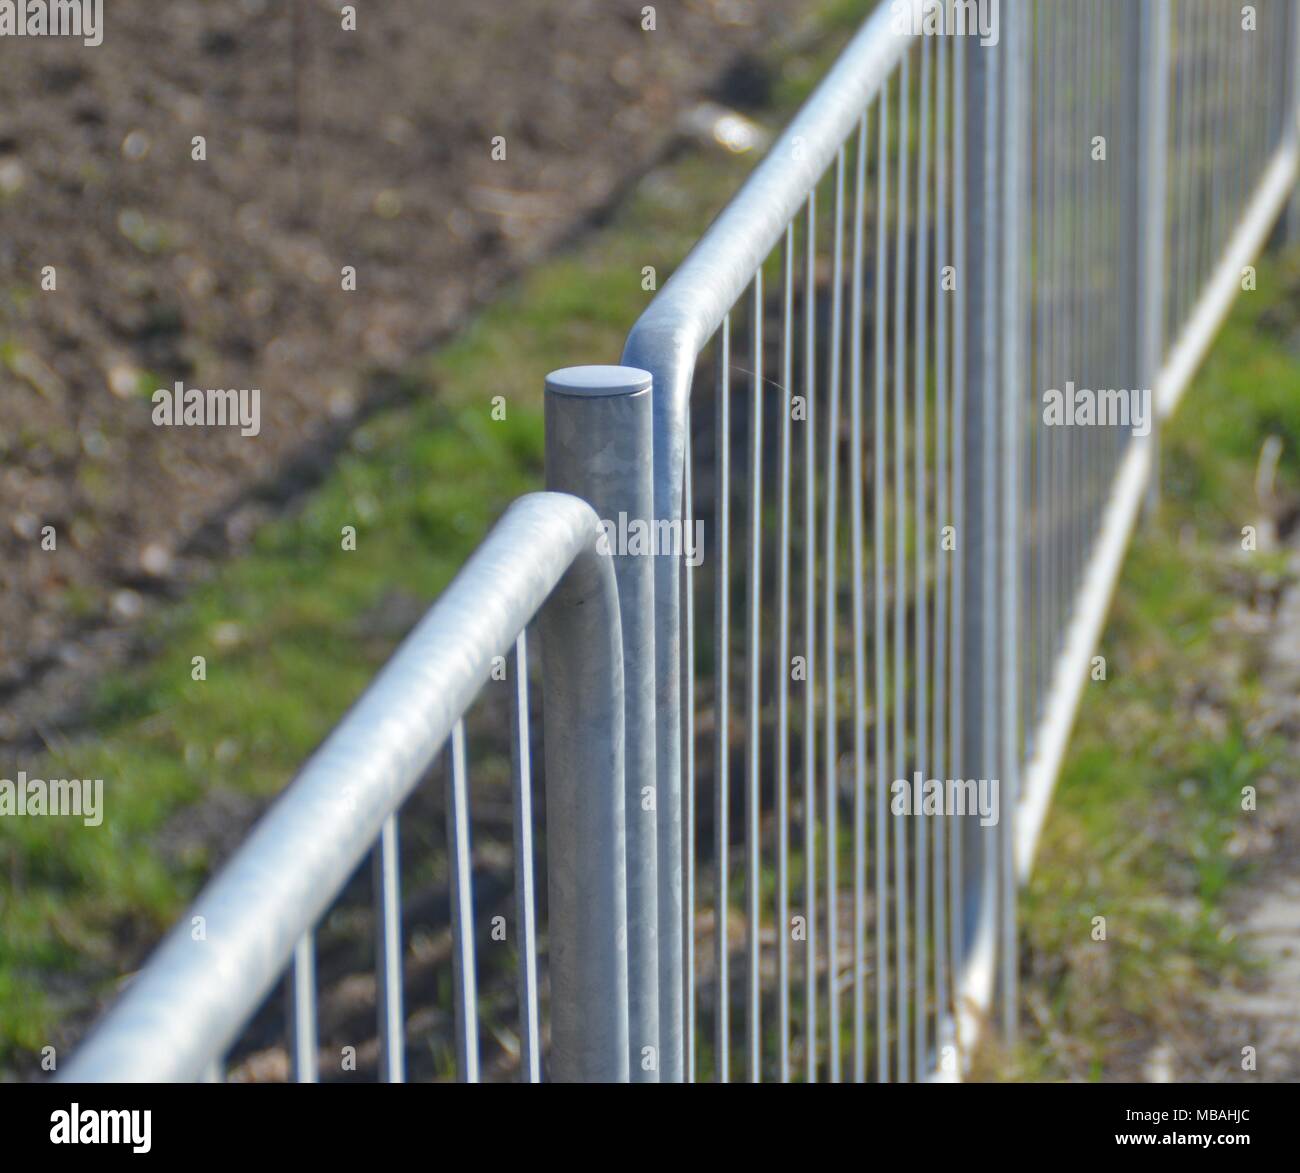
column 325, row 148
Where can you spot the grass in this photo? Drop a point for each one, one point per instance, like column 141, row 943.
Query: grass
column 1143, row 830
column 292, row 631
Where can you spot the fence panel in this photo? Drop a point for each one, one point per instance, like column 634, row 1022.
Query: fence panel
column 935, row 334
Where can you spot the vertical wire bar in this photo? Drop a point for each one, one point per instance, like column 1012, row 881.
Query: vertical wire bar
column 530, row 1056
column 989, row 551
column 688, row 769
column 1182, row 157
column 881, row 649
column 1289, row 114
column 1055, row 368
column 956, row 755
column 939, row 758
column 1260, row 114
column 388, row 960
column 1012, row 457
column 902, row 988
column 1154, row 255
column 462, row 911
column 1067, row 214
column 859, row 622
column 304, row 1035
column 1108, row 299
column 1199, row 268
column 1201, row 140
column 829, row 667
column 1069, row 310
column 1198, row 20
column 1087, row 293
column 1087, row 369
column 810, row 639
column 1129, row 247
column 1044, row 104
column 920, row 536
column 1239, row 182
column 783, row 669
column 1123, row 216
column 722, row 711
column 754, row 712
column 1218, row 197
column 1078, row 262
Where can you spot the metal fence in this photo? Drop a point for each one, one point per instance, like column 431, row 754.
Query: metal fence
column 862, row 357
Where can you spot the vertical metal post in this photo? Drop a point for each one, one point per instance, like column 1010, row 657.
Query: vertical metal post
column 601, row 814
column 957, row 758
column 902, row 989
column 921, row 602
column 989, row 557
column 599, row 448
column 975, row 480
column 1013, row 370
column 1153, row 119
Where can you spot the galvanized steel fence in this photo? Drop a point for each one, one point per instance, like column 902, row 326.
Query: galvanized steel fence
column 957, row 236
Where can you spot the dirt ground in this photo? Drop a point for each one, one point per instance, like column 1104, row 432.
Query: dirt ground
column 1253, row 1023
column 325, row 148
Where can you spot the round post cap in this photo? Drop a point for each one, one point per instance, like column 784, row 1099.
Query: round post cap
column 598, row 381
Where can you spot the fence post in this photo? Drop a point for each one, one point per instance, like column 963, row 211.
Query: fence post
column 583, row 703
column 975, row 384
column 599, row 447
column 1015, row 124
column 1153, row 163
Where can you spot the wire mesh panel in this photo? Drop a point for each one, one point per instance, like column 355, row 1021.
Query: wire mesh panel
column 907, row 377
column 833, row 370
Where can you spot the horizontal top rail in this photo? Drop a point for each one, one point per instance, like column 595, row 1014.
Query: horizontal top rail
column 691, row 305
column 196, row 994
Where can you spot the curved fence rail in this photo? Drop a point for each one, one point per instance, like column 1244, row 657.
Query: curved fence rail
column 924, row 354
column 179, row 1015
